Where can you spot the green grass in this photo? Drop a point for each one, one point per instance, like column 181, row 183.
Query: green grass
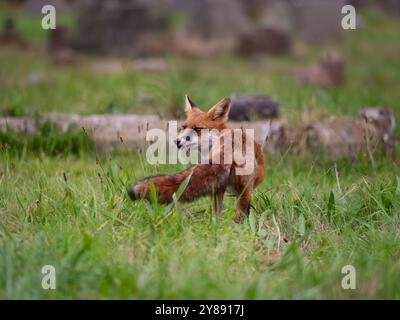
column 310, row 217
column 47, row 139
column 74, row 214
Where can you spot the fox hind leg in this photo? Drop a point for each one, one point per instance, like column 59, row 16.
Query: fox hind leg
column 243, row 206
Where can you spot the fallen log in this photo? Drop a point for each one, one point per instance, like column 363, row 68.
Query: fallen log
column 373, row 131
column 128, row 131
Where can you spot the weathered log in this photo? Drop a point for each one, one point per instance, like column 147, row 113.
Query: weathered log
column 129, row 131
column 253, row 107
column 373, row 131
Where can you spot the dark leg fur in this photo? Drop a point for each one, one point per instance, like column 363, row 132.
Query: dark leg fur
column 218, row 198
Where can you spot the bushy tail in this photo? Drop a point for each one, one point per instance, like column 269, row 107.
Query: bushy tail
column 205, row 179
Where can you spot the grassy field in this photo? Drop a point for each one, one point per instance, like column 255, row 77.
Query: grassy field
column 310, row 217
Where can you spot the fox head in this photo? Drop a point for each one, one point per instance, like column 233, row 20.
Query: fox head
column 199, row 123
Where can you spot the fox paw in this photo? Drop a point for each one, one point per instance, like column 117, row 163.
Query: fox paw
column 239, row 217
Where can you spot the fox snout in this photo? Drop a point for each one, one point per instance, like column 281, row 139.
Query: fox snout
column 180, row 142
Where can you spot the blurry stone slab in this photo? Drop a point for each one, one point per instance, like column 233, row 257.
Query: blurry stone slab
column 253, row 107
column 110, row 66
column 153, row 44
column 119, row 131
column 116, row 26
column 180, row 5
column 264, row 40
column 194, row 46
column 329, row 71
column 336, row 138
column 217, row 18
column 34, row 7
column 109, row 132
column 254, row 8
column 117, row 66
column 390, row 7
column 371, row 132
column 277, row 14
column 18, row 124
column 151, row 65
column 359, row 4
column 105, row 130
column 318, row 21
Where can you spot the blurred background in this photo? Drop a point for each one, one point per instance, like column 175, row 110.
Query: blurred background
column 135, row 56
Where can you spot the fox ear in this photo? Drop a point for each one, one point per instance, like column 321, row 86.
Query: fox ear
column 189, row 105
column 221, row 110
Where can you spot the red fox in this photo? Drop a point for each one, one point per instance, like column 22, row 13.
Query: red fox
column 211, row 178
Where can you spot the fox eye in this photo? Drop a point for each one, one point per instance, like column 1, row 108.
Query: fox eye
column 197, row 129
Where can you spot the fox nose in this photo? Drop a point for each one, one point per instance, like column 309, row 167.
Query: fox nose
column 178, row 143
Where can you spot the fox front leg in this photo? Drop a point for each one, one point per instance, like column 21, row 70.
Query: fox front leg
column 243, row 206
column 218, row 199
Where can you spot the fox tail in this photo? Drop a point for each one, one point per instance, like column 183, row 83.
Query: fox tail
column 205, row 179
